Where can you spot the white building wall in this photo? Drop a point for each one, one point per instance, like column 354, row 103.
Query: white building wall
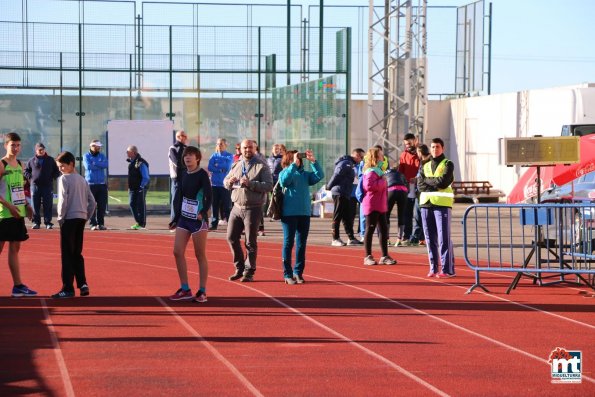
column 477, row 126
column 473, row 128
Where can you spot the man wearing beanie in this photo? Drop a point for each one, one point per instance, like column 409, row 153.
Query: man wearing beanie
column 95, row 164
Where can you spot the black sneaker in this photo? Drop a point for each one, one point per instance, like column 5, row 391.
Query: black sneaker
column 49, row 226
column 63, row 294
column 248, row 278
column 85, row 290
column 235, row 276
column 35, row 226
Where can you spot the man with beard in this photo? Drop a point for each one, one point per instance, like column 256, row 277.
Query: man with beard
column 249, row 180
column 408, row 166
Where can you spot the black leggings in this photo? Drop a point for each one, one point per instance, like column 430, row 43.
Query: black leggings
column 372, row 220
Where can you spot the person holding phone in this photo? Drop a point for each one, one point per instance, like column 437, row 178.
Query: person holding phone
column 297, row 209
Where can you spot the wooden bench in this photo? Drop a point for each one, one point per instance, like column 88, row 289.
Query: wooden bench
column 476, row 191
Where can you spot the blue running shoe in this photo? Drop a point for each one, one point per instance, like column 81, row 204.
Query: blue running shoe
column 19, row 291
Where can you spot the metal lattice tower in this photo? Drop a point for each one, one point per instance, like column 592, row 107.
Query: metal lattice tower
column 397, row 73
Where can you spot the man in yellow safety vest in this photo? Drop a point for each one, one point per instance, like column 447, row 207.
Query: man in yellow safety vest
column 436, row 201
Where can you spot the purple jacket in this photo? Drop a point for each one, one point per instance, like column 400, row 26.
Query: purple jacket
column 376, row 193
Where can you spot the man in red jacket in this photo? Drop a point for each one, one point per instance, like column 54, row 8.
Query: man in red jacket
column 409, row 166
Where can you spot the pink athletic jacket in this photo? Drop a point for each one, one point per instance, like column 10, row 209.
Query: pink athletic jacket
column 376, row 193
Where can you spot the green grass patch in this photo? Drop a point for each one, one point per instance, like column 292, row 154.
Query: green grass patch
column 120, row 197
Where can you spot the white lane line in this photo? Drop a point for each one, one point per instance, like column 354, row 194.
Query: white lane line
column 487, row 338
column 57, row 351
column 245, row 381
column 577, row 322
column 339, row 335
column 213, row 351
column 456, row 326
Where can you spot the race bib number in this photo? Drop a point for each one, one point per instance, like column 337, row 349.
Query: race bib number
column 17, row 195
column 189, row 208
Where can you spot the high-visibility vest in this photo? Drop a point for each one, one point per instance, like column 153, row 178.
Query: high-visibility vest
column 442, row 197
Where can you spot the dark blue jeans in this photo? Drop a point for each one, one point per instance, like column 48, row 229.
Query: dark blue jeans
column 138, row 206
column 295, row 228
column 42, row 195
column 408, row 221
column 99, row 192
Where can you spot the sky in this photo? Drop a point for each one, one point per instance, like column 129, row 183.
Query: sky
column 535, row 43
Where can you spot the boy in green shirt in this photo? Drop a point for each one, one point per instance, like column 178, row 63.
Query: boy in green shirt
column 13, row 209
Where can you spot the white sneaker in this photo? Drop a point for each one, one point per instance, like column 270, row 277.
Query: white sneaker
column 369, row 260
column 93, row 227
column 222, row 222
column 338, row 243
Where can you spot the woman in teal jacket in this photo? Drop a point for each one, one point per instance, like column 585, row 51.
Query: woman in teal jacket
column 297, row 209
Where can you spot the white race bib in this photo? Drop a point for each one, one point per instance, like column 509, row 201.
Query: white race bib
column 17, row 194
column 189, row 208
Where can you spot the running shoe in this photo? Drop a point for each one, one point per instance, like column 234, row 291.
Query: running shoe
column 444, row 275
column 101, row 227
column 338, row 243
column 49, row 226
column 181, row 295
column 236, row 276
column 94, row 227
column 85, row 290
column 35, row 226
column 289, row 280
column 63, row 295
column 22, row 290
column 248, row 278
column 431, row 274
column 387, row 260
column 353, row 241
column 201, row 297
column 369, row 260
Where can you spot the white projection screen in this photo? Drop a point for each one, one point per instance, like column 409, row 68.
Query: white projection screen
column 152, row 138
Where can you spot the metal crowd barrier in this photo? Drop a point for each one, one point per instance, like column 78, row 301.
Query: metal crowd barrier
column 538, row 241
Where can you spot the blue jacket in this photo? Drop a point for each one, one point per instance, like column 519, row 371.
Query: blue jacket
column 95, row 166
column 296, row 197
column 341, row 182
column 41, row 171
column 274, row 163
column 219, row 165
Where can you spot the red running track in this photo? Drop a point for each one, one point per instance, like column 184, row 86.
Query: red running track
column 349, row 331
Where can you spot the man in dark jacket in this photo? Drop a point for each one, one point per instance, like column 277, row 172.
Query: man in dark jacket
column 41, row 170
column 176, row 165
column 341, row 185
column 138, row 184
